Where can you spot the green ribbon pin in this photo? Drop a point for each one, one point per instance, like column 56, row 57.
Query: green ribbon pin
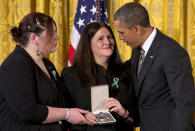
column 115, row 82
column 54, row 74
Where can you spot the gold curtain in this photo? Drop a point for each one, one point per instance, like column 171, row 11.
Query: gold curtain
column 176, row 18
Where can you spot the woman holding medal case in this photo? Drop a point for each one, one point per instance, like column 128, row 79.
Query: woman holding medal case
column 97, row 62
column 32, row 97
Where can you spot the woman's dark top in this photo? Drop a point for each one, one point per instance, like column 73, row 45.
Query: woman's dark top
column 80, row 97
column 25, row 92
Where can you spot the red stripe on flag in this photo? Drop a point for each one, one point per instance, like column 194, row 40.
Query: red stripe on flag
column 71, row 53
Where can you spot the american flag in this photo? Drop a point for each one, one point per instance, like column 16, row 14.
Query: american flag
column 87, row 11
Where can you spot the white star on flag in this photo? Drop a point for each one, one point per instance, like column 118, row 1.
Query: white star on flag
column 106, row 14
column 82, row 10
column 93, row 10
column 92, row 20
column 80, row 22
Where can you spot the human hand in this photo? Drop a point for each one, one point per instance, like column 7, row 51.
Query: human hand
column 91, row 118
column 114, row 106
column 76, row 116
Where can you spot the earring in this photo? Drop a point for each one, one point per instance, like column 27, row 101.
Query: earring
column 37, row 53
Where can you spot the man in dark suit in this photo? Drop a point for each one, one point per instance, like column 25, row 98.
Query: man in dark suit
column 162, row 72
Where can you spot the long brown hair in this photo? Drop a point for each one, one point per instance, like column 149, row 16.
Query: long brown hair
column 84, row 61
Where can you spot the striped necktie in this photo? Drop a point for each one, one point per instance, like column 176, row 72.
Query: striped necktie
column 141, row 60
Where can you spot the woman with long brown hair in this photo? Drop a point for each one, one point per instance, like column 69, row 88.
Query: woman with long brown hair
column 97, row 62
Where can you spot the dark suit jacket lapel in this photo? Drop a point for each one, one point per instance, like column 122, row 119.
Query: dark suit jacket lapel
column 150, row 57
column 134, row 61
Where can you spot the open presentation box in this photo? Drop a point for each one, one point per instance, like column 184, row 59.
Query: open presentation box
column 98, row 95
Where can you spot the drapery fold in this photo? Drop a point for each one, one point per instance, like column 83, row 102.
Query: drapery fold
column 176, row 18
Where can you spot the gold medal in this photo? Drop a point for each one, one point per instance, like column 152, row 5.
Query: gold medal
column 102, row 120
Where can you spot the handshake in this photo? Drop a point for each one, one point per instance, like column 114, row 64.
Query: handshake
column 79, row 116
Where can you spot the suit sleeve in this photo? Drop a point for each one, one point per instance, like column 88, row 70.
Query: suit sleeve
column 19, row 92
column 178, row 71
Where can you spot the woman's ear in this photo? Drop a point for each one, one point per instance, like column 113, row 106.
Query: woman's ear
column 33, row 38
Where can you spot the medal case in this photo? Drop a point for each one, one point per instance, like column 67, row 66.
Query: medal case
column 98, row 95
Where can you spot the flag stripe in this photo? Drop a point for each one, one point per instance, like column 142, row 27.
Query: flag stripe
column 71, row 53
column 75, row 37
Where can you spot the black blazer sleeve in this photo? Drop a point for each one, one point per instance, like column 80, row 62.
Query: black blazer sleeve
column 18, row 89
column 178, row 72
